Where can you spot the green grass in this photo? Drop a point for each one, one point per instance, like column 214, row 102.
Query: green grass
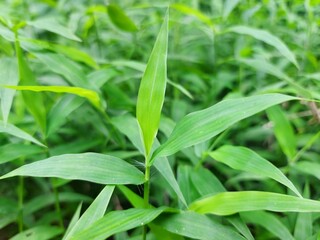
column 172, row 120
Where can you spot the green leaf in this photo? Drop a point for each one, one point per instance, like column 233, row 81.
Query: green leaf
column 202, row 125
column 90, row 95
column 118, row 221
column 135, row 200
column 233, row 202
column 191, row 11
column 269, row 68
column 283, row 131
column 51, row 25
column 311, row 168
column 34, row 102
column 120, row 19
column 61, row 110
column 228, row 7
column 8, row 76
column 17, row 132
column 152, row 89
column 9, row 151
column 73, row 221
column 95, row 211
column 35, row 45
column 38, row 232
column 193, row 225
column 59, row 64
column 267, row 38
column 92, row 167
column 268, row 221
column 244, row 159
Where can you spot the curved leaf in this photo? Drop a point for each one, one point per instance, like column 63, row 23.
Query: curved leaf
column 120, row 19
column 233, row 202
column 93, row 167
column 152, row 89
column 244, row 159
column 118, row 221
column 268, row 38
column 202, row 125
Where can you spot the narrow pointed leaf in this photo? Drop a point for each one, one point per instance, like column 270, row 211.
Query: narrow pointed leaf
column 268, row 38
column 233, row 202
column 274, row 226
column 73, row 221
column 311, row 168
column 244, row 159
column 118, row 221
column 39, row 232
column 193, row 12
column 93, row 167
column 90, row 95
column 95, row 211
column 9, row 151
column 51, row 25
column 202, row 125
column 120, row 19
column 8, row 76
column 283, row 131
column 193, row 225
column 152, row 89
column 27, row 77
column 17, row 132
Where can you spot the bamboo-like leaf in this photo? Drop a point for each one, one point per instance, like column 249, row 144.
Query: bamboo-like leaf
column 202, row 125
column 95, row 211
column 93, row 167
column 118, row 221
column 129, row 126
column 74, row 220
column 39, row 232
column 283, row 131
column 27, row 77
column 311, row 168
column 228, row 7
column 152, row 89
column 17, row 132
column 244, row 159
column 9, row 151
column 90, row 95
column 61, row 110
column 120, row 19
column 35, row 45
column 8, row 76
column 191, row 11
column 196, row 226
column 233, row 202
column 268, row 38
column 274, row 225
column 59, row 64
column 51, row 25
column 267, row 67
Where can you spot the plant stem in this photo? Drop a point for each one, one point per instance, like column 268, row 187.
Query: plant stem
column 20, row 203
column 146, row 193
column 57, row 205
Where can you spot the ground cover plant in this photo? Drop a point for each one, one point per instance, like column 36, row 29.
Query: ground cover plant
column 168, row 120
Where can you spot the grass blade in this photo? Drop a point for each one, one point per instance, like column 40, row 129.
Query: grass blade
column 244, row 159
column 90, row 95
column 95, row 211
column 233, row 202
column 39, row 232
column 274, row 226
column 310, row 168
column 118, row 221
column 193, row 225
column 91, row 167
column 120, row 19
column 268, row 38
column 152, row 89
column 17, row 132
column 8, row 76
column 51, row 25
column 9, row 151
column 74, row 220
column 202, row 125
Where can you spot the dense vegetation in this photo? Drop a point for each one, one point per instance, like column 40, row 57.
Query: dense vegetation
column 168, row 120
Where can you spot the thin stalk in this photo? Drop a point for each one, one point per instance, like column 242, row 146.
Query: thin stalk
column 20, row 203
column 57, row 205
column 146, row 194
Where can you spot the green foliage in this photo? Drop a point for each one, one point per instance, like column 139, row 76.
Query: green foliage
column 169, row 120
